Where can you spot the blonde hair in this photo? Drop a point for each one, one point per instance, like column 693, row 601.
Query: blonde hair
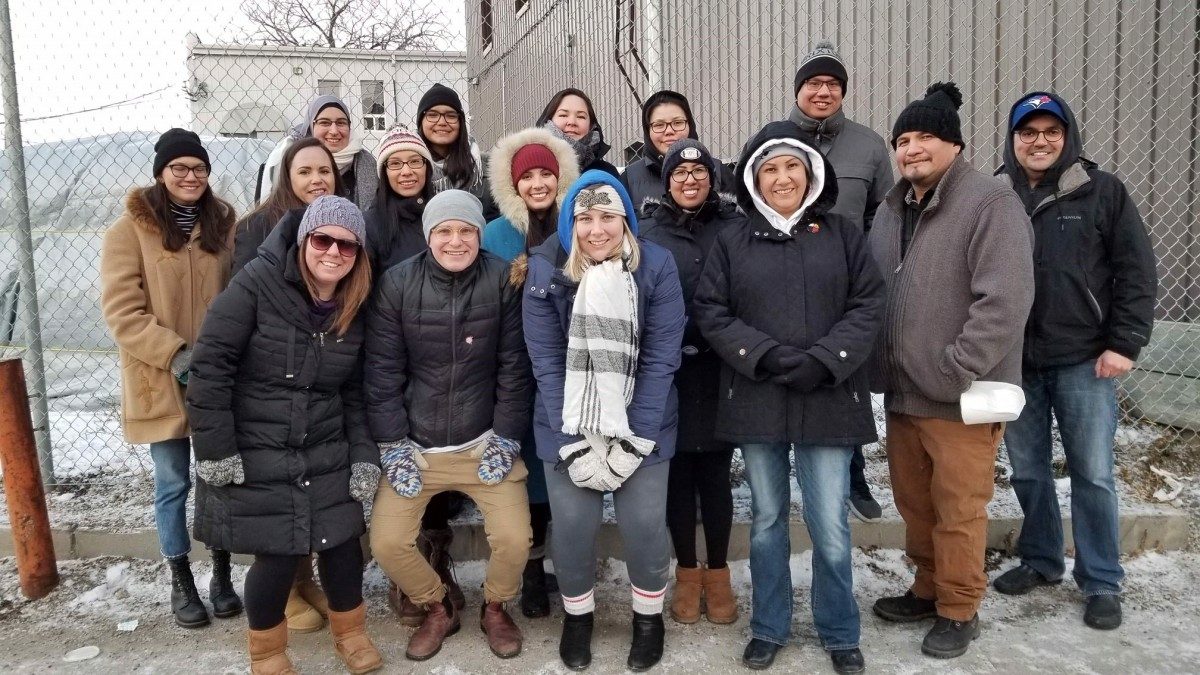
column 351, row 292
column 577, row 262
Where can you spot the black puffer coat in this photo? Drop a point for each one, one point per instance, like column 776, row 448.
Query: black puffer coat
column 445, row 354
column 689, row 237
column 285, row 393
column 394, row 236
column 816, row 288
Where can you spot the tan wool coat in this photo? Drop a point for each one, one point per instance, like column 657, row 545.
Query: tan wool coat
column 154, row 301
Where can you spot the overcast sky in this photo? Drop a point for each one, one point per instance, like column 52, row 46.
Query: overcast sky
column 128, row 56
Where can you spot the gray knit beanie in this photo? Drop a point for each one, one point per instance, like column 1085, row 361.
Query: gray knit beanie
column 332, row 210
column 452, row 205
column 772, row 151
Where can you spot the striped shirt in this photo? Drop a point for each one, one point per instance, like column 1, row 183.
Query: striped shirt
column 185, row 216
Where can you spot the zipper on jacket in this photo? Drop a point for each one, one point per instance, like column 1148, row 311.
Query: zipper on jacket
column 453, row 355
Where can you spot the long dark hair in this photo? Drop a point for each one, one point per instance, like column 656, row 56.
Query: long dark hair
column 283, row 196
column 459, row 164
column 548, row 112
column 215, row 219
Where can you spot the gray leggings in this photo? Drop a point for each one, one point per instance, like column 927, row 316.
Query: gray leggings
column 641, row 509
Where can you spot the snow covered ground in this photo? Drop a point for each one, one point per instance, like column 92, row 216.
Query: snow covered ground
column 1040, row 632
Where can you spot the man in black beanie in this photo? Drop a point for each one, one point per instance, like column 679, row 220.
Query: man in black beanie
column 957, row 247
column 863, row 167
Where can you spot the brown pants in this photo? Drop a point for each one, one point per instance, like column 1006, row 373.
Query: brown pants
column 943, row 478
column 396, row 521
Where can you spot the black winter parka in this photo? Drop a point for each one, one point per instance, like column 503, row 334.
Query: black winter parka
column 816, row 288
column 445, row 354
column 689, row 236
column 270, row 384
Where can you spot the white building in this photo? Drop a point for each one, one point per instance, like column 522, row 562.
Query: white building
column 259, row 91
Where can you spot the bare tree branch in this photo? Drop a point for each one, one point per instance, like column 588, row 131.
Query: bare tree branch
column 347, row 24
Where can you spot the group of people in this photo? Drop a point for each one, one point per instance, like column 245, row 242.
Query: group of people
column 388, row 332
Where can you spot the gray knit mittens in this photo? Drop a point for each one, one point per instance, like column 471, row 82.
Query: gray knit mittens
column 364, row 481
column 402, row 462
column 498, row 455
column 221, row 472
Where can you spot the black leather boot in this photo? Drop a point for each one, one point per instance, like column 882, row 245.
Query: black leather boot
column 535, row 601
column 186, row 605
column 224, row 598
column 647, row 647
column 575, row 647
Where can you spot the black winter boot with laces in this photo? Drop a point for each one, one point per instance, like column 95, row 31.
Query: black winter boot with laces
column 224, row 598
column 186, row 605
column 949, row 638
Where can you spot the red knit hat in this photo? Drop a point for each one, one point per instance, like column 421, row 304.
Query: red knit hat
column 533, row 156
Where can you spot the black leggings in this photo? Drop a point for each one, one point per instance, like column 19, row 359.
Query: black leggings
column 270, row 580
column 539, row 520
column 706, row 474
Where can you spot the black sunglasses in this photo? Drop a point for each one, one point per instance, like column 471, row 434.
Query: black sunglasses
column 347, row 248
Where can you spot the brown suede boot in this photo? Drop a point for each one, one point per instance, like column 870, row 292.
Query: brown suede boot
column 301, row 616
column 351, row 642
column 439, row 558
column 410, row 613
column 441, row 621
column 504, row 638
column 720, row 605
column 268, row 651
column 685, row 603
column 309, row 589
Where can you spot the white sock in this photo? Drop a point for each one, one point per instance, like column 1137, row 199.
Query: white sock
column 648, row 602
column 584, row 604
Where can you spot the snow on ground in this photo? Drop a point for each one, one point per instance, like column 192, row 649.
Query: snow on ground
column 1040, row 632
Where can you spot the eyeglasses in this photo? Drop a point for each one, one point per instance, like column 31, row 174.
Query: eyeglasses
column 661, row 126
column 1053, row 134
column 815, row 85
column 182, row 170
column 433, row 117
column 681, row 175
column 325, row 123
column 416, row 164
column 347, row 248
column 465, row 233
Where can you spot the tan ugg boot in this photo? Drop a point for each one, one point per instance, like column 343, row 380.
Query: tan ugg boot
column 268, row 651
column 351, row 642
column 301, row 616
column 685, row 603
column 720, row 605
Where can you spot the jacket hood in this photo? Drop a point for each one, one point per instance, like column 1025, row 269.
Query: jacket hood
column 500, row 181
column 652, row 155
column 822, row 189
column 1072, row 145
column 140, row 210
column 566, row 215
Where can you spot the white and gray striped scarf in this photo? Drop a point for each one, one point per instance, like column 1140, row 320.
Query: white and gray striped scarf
column 602, row 354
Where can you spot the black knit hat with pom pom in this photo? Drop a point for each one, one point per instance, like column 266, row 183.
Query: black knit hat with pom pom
column 937, row 114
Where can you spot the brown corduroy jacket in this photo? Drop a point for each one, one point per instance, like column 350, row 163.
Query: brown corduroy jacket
column 154, row 301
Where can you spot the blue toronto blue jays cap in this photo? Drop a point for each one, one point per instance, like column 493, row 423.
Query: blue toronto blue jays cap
column 1035, row 103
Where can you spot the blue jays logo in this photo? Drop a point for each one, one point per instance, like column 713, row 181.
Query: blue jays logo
column 1038, row 101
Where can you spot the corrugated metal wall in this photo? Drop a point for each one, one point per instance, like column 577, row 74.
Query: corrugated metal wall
column 1129, row 68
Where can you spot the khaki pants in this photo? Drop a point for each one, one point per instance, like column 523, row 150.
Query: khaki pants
column 943, row 478
column 396, row 521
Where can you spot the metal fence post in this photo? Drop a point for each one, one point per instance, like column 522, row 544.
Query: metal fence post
column 28, row 299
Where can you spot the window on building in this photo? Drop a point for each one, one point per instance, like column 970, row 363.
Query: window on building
column 486, row 23
column 521, row 6
column 372, row 105
column 329, row 88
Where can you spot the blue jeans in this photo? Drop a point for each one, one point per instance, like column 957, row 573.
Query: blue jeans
column 1086, row 409
column 172, row 482
column 824, row 477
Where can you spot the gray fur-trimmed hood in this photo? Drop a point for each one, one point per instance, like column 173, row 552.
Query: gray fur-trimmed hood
column 500, row 172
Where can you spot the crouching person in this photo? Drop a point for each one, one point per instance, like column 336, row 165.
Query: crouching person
column 448, row 392
column 604, row 320
column 283, row 454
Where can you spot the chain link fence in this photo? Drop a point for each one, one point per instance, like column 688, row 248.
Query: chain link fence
column 97, row 83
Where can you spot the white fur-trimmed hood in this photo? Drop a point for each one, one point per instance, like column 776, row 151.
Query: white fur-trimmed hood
column 500, row 172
